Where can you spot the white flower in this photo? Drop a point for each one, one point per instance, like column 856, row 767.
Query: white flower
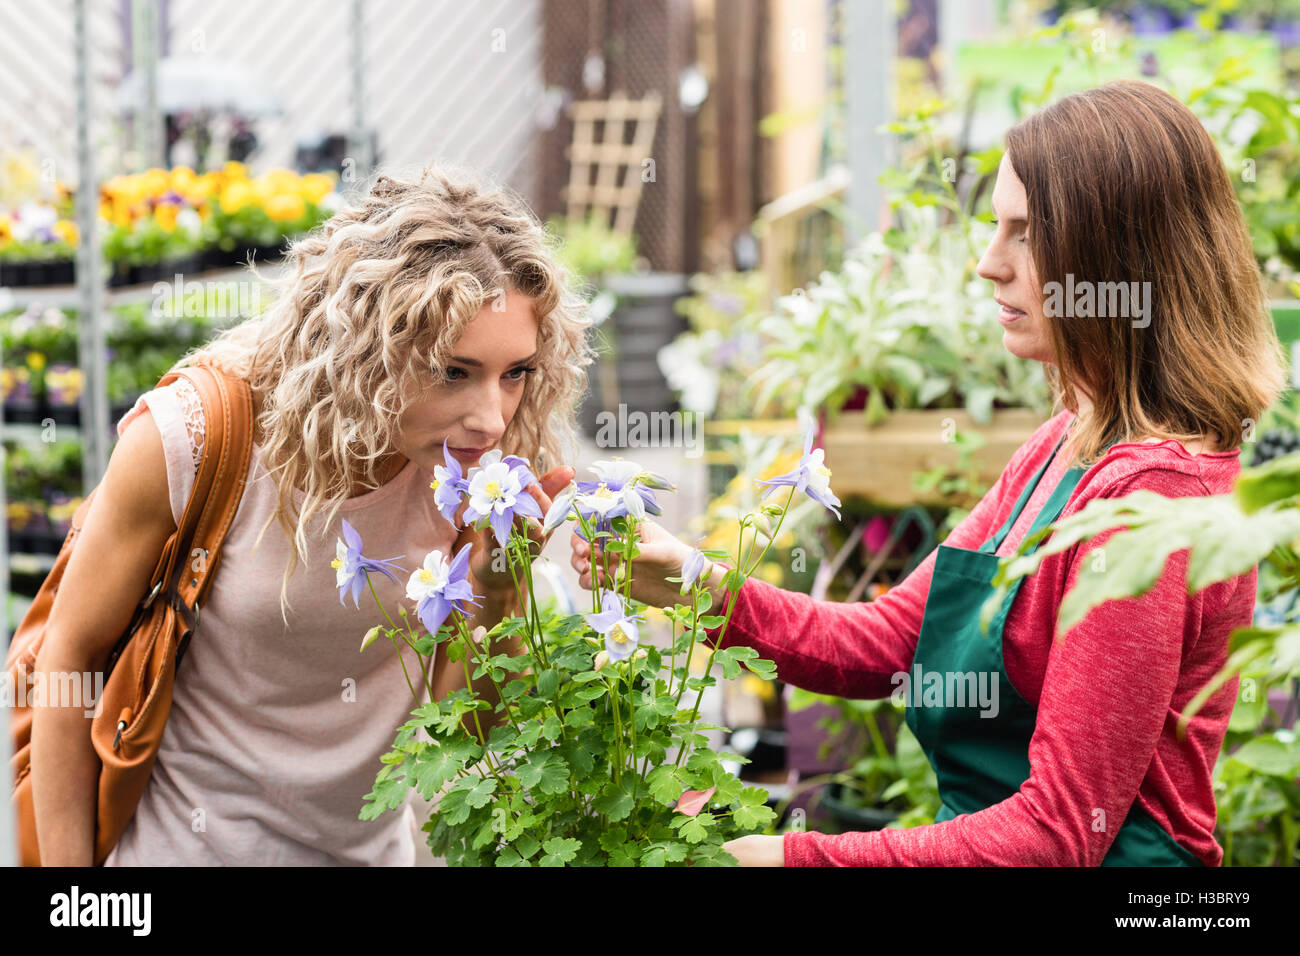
column 494, row 486
column 188, row 220
column 601, row 500
column 343, row 571
column 616, row 472
column 429, row 579
column 559, row 509
column 819, row 476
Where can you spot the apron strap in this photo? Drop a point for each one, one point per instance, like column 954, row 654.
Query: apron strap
column 992, row 544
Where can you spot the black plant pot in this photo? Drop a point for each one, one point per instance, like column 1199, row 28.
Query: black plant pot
column 851, row 817
column 38, row 273
column 764, row 746
column 642, row 323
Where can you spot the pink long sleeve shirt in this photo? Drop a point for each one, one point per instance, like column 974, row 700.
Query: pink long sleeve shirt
column 1108, row 695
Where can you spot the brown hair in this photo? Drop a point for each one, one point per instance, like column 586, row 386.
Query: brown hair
column 1124, row 185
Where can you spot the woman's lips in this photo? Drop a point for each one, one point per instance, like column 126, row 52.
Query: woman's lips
column 467, row 452
column 1007, row 315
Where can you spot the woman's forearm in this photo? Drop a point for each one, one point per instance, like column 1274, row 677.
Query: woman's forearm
column 828, row 647
column 65, row 778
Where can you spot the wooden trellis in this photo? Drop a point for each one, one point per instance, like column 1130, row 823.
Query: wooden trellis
column 617, row 164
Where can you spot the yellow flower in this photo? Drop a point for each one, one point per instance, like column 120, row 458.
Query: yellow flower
column 154, row 181
column 280, row 179
column 235, row 170
column 6, row 230
column 165, row 215
column 285, row 206
column 182, row 179
column 315, row 186
column 66, row 230
column 36, row 361
column 236, row 196
column 204, row 186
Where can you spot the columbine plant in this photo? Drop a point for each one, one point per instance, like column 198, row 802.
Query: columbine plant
column 588, row 756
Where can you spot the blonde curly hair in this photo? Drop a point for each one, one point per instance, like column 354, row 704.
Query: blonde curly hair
column 371, row 302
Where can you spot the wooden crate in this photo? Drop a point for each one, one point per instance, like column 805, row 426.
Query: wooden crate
column 878, row 463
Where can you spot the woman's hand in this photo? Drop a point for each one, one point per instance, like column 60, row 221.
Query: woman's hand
column 661, row 557
column 489, row 575
column 757, row 850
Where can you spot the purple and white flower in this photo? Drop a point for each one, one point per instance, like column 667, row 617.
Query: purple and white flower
column 440, row 587
column 350, row 565
column 498, row 492
column 616, row 625
column 623, row 488
column 560, row 509
column 692, row 568
column 811, row 476
column 449, row 485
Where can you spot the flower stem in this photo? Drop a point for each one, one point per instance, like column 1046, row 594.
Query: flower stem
column 488, row 670
column 401, row 660
column 591, row 540
column 530, row 610
column 423, row 676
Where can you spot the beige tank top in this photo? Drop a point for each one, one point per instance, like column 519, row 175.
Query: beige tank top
column 275, row 735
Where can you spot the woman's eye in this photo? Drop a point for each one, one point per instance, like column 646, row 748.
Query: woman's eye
column 518, row 374
column 454, row 374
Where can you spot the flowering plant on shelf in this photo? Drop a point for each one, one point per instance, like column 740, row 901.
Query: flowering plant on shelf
column 589, row 751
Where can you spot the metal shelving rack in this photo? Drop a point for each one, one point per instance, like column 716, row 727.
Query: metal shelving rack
column 90, row 297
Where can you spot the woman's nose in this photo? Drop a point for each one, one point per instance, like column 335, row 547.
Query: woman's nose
column 993, row 265
column 487, row 417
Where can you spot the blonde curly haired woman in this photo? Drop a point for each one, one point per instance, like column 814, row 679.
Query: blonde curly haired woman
column 432, row 311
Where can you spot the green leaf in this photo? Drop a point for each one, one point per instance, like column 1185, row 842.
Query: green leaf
column 527, row 846
column 612, row 838
column 432, row 773
column 529, row 733
column 548, row 683
column 664, row 785
column 386, row 795
column 1269, row 755
column 547, row 771
column 453, row 808
column 551, row 729
column 696, row 829
column 481, row 794
column 614, row 802
column 559, row 851
column 752, row 818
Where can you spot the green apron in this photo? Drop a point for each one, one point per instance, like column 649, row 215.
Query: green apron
column 983, row 760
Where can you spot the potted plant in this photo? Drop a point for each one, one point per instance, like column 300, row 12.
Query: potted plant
column 632, row 312
column 886, row 781
column 591, row 753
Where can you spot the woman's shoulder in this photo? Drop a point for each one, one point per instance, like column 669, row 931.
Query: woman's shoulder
column 1165, row 466
column 177, row 411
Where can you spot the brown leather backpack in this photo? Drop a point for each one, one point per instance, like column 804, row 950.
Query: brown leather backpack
column 132, row 708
